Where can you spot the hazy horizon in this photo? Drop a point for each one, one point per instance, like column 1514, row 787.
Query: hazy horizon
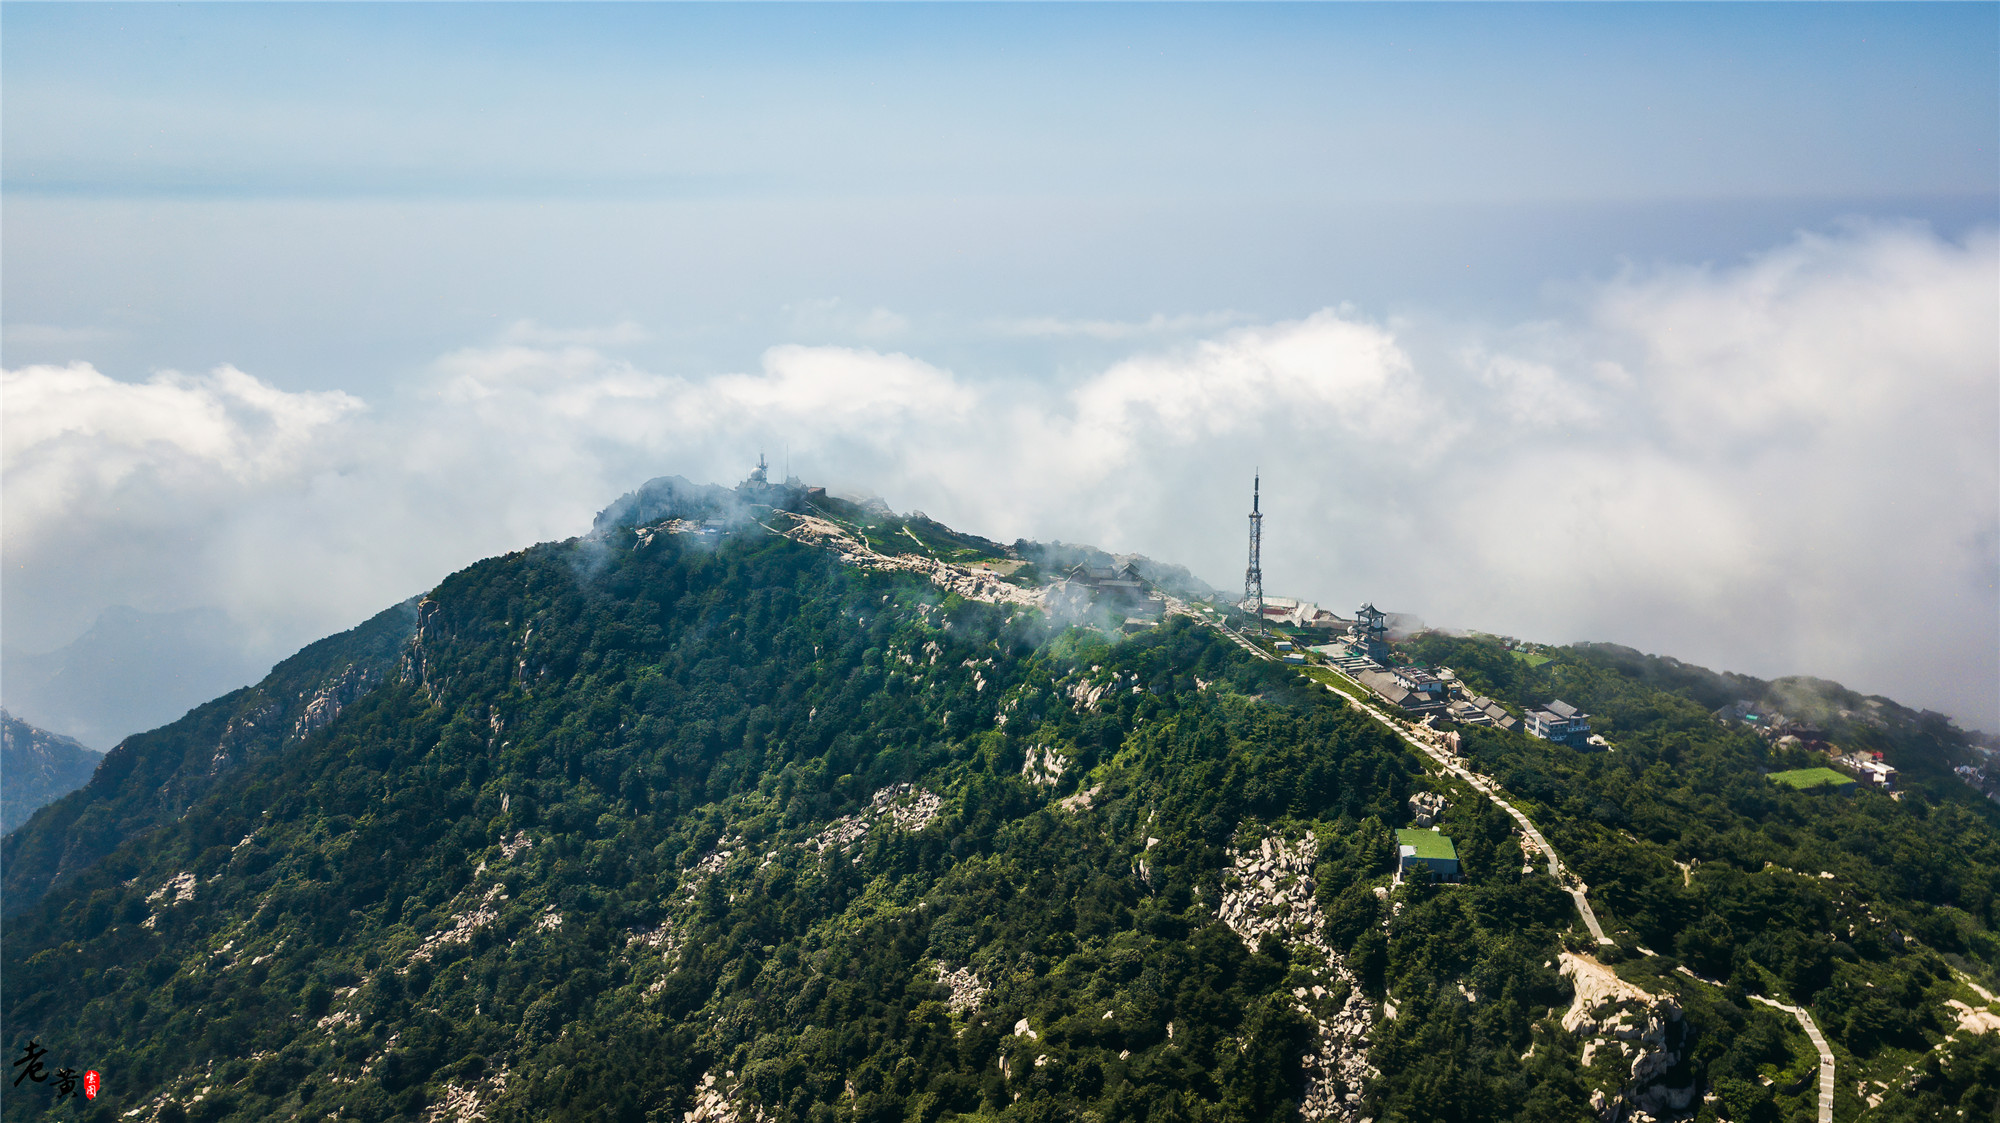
column 1675, row 327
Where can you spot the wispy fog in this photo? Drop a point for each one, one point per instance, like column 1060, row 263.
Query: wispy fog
column 1785, row 465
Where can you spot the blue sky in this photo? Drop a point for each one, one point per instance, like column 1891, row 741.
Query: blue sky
column 395, row 223
column 701, row 169
column 1357, row 103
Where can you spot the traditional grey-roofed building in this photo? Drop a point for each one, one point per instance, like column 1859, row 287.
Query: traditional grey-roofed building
column 1467, row 712
column 1559, row 721
column 1501, row 717
column 1118, row 579
column 1119, row 588
column 1385, row 686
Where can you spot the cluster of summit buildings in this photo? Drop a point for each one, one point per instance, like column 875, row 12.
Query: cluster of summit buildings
column 1788, row 732
column 1120, row 591
column 1424, row 692
column 1359, row 649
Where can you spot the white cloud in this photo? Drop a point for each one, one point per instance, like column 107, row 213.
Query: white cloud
column 1822, row 336
column 1352, row 373
column 1531, row 393
column 225, row 418
column 835, row 390
column 76, row 440
column 1790, row 466
column 1784, row 466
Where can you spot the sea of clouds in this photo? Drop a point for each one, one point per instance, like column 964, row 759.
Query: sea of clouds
column 1790, row 464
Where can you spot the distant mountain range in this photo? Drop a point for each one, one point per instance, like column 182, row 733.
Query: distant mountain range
column 759, row 805
column 130, row 671
column 36, row 767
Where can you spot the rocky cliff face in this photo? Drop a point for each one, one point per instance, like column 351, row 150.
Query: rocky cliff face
column 1633, row 1040
column 1268, row 891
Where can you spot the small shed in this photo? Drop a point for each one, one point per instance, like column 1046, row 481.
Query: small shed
column 1430, row 848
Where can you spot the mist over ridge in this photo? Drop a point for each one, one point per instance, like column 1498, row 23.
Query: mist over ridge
column 680, row 563
column 1735, row 465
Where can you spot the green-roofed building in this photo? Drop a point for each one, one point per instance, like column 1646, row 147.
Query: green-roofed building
column 1815, row 779
column 1427, row 848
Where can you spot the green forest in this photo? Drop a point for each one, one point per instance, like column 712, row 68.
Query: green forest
column 637, row 826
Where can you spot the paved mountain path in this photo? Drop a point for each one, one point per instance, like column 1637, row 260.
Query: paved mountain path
column 1492, row 790
column 1825, row 1053
column 1567, row 879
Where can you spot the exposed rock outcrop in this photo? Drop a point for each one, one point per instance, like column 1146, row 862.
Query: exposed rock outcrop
column 178, row 888
column 1268, row 891
column 967, row 992
column 972, row 584
column 1640, row 1037
column 325, row 704
column 1083, row 695
column 1044, row 767
column 466, row 1103
column 462, row 927
column 906, row 808
column 714, row 1103
column 910, row 809
column 240, row 735
column 1428, row 807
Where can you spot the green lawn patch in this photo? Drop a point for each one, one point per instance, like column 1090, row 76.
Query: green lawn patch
column 1326, row 677
column 1427, row 844
column 1809, row 778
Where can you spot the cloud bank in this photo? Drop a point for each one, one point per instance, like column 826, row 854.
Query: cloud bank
column 1785, row 465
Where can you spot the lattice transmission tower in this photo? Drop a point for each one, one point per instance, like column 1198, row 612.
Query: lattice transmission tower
column 1253, row 577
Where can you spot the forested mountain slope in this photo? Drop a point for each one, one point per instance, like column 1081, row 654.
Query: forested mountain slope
column 733, row 824
column 151, row 779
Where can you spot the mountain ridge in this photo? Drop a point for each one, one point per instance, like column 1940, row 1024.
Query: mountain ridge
column 152, row 778
column 128, row 672
column 616, row 817
column 39, row 766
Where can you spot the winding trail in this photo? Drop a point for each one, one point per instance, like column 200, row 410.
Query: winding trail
column 1825, row 1054
column 827, row 534
column 1563, row 875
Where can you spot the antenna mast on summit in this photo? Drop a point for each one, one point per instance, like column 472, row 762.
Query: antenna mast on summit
column 1253, row 578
